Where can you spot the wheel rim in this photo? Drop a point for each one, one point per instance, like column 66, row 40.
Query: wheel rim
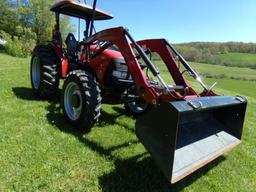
column 36, row 72
column 137, row 107
column 73, row 108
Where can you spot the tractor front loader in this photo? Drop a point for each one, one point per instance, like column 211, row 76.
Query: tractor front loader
column 182, row 129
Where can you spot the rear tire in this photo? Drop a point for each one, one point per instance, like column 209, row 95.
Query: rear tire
column 81, row 100
column 44, row 73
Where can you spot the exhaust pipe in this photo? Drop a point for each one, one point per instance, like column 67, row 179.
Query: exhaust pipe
column 183, row 136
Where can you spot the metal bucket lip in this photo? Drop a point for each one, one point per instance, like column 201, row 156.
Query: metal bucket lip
column 206, row 103
column 229, row 148
column 221, row 97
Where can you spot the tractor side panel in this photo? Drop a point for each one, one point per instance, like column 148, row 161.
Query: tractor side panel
column 64, row 67
column 101, row 63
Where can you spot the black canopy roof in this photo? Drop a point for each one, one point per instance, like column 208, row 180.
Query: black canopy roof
column 80, row 10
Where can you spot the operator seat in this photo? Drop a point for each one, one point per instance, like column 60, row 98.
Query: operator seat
column 71, row 43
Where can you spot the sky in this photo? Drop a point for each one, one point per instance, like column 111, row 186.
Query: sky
column 183, row 20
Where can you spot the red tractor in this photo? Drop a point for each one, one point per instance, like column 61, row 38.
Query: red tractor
column 182, row 129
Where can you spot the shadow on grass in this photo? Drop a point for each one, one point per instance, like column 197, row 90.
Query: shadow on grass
column 24, row 93
column 143, row 175
column 111, row 119
column 137, row 173
column 107, row 118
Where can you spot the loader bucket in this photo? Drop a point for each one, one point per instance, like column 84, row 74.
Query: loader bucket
column 183, row 136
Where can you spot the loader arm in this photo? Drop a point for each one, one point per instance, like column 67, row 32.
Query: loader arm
column 117, row 36
column 150, row 93
column 185, row 130
column 161, row 47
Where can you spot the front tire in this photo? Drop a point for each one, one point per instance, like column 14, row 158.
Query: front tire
column 136, row 107
column 44, row 73
column 81, row 100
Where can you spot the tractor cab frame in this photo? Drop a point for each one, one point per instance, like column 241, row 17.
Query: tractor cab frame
column 82, row 11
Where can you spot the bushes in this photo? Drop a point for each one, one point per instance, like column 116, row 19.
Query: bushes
column 19, row 46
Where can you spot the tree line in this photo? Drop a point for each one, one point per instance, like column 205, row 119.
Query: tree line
column 24, row 23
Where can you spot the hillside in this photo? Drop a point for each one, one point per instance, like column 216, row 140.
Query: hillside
column 236, row 59
column 228, row 54
column 224, row 72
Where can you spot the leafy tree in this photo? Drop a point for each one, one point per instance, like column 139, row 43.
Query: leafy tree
column 26, row 22
column 42, row 19
column 8, row 18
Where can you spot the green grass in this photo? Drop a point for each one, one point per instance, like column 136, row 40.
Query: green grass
column 237, row 59
column 39, row 151
column 215, row 71
column 221, row 72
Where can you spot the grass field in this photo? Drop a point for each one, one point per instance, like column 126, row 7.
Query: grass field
column 39, row 151
column 225, row 72
column 236, row 59
column 218, row 71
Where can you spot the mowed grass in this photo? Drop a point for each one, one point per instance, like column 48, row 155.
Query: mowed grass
column 217, row 71
column 224, row 72
column 40, row 151
column 237, row 59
